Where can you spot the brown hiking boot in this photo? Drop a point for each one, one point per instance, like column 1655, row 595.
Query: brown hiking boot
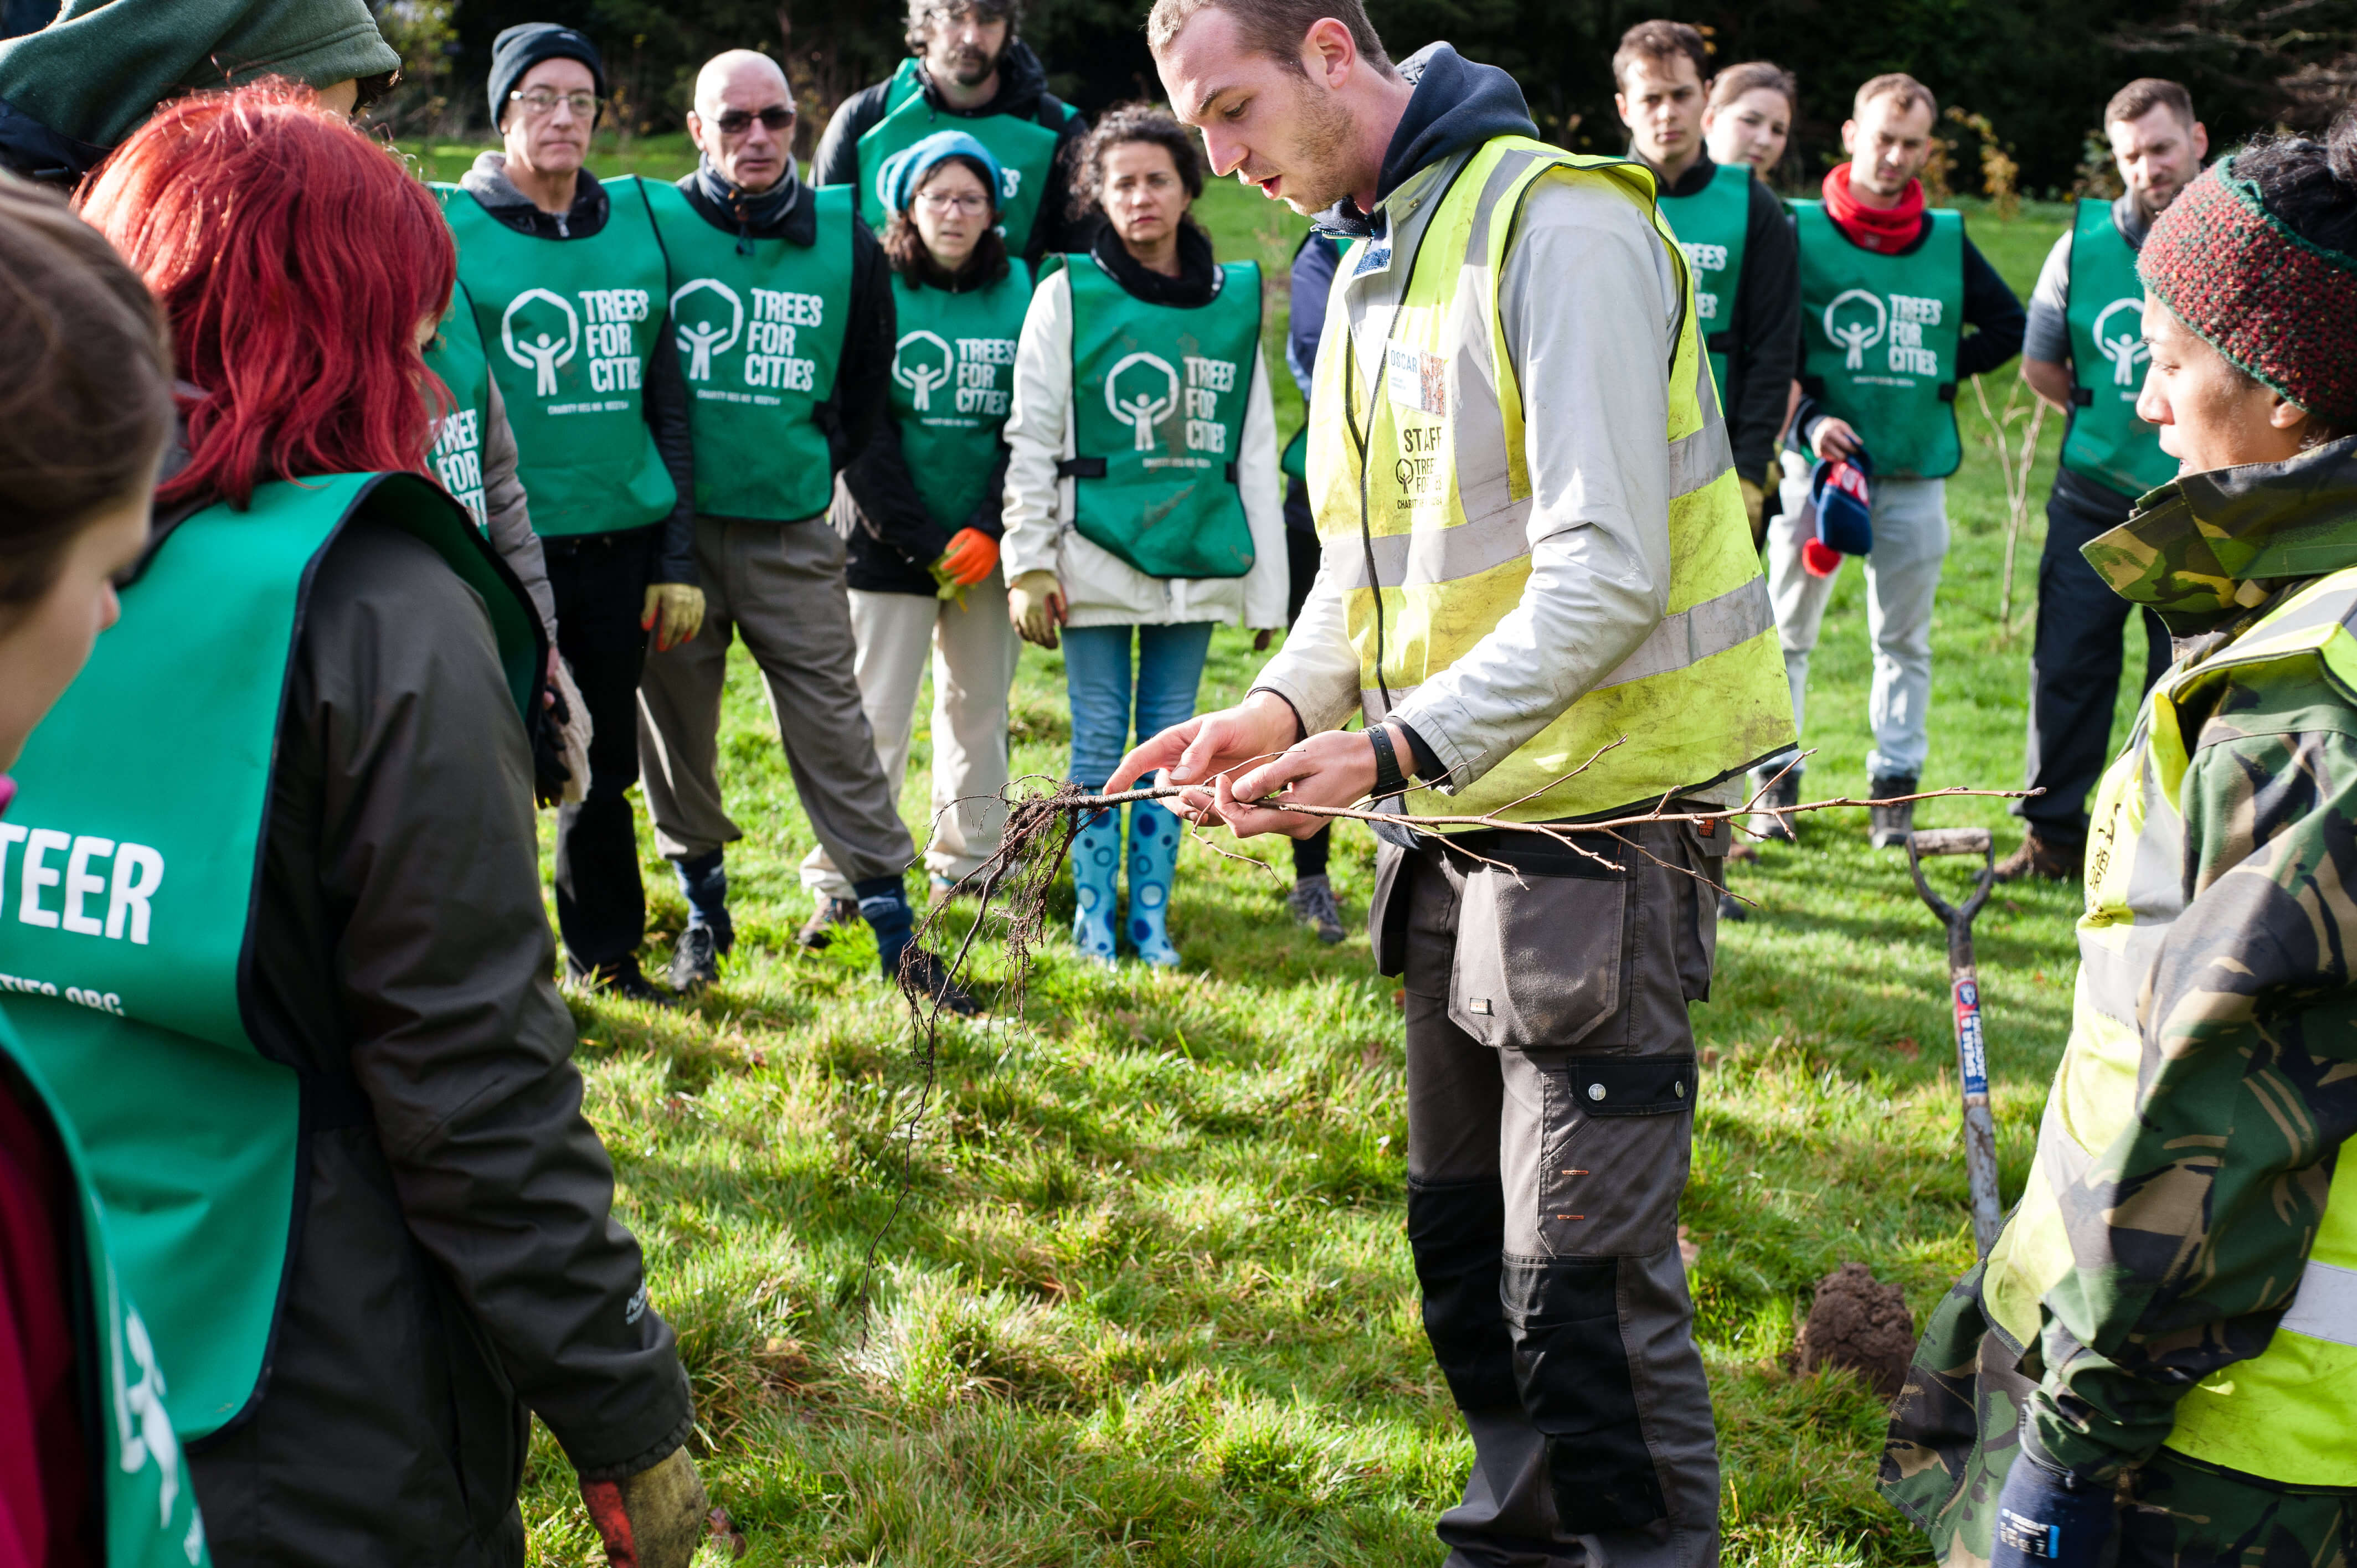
column 2049, row 860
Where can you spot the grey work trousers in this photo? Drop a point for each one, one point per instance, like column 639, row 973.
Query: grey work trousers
column 1551, row 1080
column 779, row 585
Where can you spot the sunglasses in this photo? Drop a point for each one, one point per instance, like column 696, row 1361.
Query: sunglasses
column 736, row 121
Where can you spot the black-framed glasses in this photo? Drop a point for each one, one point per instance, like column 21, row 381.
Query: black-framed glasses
column 736, row 121
column 540, row 102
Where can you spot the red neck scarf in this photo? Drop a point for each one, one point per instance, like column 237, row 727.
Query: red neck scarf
column 1885, row 231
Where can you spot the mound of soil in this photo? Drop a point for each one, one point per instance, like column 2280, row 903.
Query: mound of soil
column 1858, row 1322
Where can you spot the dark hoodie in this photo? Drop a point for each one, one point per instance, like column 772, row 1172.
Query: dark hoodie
column 1456, row 104
column 1022, row 94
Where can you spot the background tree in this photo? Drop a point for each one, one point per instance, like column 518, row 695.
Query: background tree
column 2034, row 76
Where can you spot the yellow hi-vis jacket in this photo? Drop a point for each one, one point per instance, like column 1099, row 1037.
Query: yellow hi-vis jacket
column 1423, row 495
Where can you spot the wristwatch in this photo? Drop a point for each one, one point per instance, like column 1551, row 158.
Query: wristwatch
column 1389, row 779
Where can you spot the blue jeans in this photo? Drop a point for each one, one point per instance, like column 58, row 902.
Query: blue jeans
column 1098, row 675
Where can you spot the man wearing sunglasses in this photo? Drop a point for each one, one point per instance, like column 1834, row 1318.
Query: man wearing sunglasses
column 781, row 305
column 967, row 71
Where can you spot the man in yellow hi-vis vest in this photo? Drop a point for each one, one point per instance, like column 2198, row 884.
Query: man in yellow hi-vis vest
column 1537, row 585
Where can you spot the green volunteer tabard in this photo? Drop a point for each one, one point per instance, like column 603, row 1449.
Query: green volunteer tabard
column 129, row 870
column 1879, row 340
column 953, row 386
column 1025, row 151
column 2107, row 441
column 567, row 327
column 1710, row 225
column 455, row 354
column 759, row 325
column 1158, row 396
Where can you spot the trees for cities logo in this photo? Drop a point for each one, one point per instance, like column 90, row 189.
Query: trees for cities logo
column 535, row 346
column 1142, row 392
column 698, row 323
column 922, row 363
column 1849, row 327
column 2126, row 350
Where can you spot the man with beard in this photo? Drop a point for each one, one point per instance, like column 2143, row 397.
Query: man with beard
column 1553, row 621
column 1735, row 232
column 967, row 71
column 2084, row 355
column 1897, row 309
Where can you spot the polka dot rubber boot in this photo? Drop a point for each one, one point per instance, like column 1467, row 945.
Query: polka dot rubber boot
column 1153, row 861
column 1096, row 873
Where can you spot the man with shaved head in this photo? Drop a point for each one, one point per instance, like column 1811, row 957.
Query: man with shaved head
column 781, row 308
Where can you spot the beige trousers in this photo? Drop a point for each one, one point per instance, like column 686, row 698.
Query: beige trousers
column 973, row 651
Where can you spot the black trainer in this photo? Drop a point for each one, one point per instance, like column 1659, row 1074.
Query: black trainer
column 695, row 961
column 1889, row 826
column 619, row 981
column 819, row 929
column 923, row 974
column 1772, row 822
column 1730, row 907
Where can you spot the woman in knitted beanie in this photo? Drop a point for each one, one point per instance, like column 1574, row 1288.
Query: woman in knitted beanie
column 2159, row 1355
column 2251, row 316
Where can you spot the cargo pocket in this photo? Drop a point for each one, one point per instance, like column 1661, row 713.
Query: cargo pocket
column 1538, row 960
column 1698, row 942
column 1621, row 1140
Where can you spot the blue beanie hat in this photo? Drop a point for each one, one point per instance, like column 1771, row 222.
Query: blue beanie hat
column 517, row 48
column 904, row 171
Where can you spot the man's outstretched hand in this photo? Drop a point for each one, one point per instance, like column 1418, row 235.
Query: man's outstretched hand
column 1260, row 725
column 1228, row 756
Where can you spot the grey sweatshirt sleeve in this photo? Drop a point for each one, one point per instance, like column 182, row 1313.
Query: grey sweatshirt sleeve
column 1592, row 367
column 443, row 964
column 505, row 507
column 2048, row 335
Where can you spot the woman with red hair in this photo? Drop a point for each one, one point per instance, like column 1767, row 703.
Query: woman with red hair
column 285, row 829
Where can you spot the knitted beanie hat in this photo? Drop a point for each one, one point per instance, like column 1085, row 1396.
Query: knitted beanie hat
column 2278, row 304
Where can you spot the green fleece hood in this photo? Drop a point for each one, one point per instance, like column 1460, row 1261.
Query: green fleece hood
column 2209, row 546
column 99, row 70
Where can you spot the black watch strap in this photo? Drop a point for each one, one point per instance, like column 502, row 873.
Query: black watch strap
column 1389, row 779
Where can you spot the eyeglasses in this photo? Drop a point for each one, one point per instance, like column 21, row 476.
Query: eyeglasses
column 736, row 121
column 540, row 102
column 959, row 201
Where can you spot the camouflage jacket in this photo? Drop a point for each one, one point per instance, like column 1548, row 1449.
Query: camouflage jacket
column 2190, row 1236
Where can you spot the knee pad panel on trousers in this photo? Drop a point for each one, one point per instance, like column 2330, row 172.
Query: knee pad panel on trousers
column 1571, row 1369
column 1457, row 1232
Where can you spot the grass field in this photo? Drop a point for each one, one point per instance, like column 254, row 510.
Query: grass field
column 1149, row 1300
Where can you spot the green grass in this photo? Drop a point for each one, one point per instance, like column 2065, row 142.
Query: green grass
column 1149, row 1300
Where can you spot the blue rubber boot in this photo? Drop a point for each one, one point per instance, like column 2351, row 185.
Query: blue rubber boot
column 1096, row 874
column 1153, row 862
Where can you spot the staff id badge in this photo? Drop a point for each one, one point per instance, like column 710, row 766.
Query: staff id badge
column 1416, row 379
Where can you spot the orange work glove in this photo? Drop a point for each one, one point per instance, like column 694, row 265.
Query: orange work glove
column 972, row 557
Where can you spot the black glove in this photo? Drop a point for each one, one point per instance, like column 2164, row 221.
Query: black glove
column 549, row 774
column 2044, row 1516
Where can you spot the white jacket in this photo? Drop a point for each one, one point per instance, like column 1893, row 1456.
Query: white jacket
column 1100, row 589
